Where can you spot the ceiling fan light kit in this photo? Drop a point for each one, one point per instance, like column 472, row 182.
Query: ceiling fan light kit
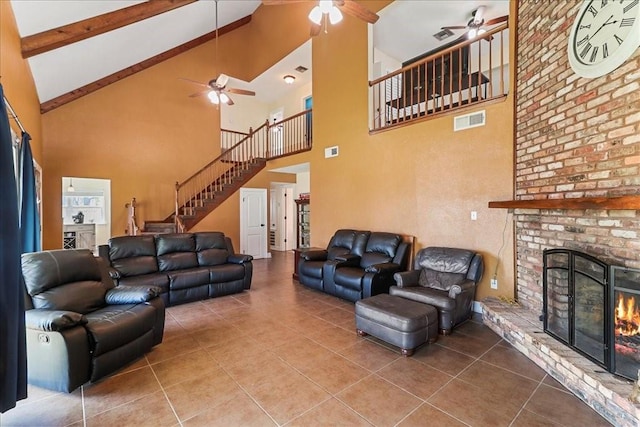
column 325, row 7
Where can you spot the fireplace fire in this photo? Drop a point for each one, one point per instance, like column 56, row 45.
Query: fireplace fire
column 626, row 286
column 627, row 317
column 593, row 308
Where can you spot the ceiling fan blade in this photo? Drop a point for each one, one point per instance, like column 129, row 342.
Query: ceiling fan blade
column 197, row 94
column 193, row 81
column 350, row 7
column 497, row 20
column 240, row 91
column 454, row 27
column 315, row 29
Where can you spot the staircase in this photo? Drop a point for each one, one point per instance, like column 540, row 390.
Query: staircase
column 208, row 188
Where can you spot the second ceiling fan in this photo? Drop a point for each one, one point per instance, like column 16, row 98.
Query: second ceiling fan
column 477, row 24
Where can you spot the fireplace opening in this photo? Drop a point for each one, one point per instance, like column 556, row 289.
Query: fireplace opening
column 626, row 287
column 594, row 308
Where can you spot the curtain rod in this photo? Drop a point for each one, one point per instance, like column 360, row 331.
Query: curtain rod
column 13, row 114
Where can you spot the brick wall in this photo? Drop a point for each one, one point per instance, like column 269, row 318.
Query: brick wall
column 575, row 137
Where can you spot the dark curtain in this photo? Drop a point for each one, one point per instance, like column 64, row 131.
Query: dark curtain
column 13, row 354
column 29, row 216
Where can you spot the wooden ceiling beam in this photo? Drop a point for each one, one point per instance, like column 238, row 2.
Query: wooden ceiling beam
column 119, row 75
column 71, row 33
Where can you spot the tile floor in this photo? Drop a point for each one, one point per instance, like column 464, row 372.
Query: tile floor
column 281, row 354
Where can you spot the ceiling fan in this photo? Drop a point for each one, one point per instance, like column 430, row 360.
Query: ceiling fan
column 217, row 90
column 476, row 25
column 330, row 11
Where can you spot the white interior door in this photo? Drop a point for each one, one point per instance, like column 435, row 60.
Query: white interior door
column 253, row 222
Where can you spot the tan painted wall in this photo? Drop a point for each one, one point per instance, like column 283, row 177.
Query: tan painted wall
column 17, row 81
column 422, row 180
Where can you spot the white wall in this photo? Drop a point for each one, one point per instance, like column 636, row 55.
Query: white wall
column 303, row 183
column 247, row 112
column 293, row 102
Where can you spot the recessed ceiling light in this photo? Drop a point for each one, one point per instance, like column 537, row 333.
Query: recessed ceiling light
column 289, row 79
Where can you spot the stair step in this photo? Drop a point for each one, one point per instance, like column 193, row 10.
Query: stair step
column 159, row 227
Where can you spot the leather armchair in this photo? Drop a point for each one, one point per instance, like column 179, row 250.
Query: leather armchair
column 311, row 263
column 445, row 278
column 369, row 270
column 80, row 327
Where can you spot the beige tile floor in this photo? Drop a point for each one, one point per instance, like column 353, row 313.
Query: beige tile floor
column 282, row 354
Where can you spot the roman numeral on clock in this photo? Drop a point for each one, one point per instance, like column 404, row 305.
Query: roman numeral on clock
column 586, row 50
column 593, row 10
column 582, row 41
column 618, row 39
column 605, row 50
column 630, row 6
column 594, row 53
column 627, row 22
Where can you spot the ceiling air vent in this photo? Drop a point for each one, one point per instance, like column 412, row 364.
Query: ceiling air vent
column 468, row 121
column 301, row 68
column 441, row 35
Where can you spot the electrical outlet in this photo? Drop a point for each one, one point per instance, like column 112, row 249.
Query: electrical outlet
column 474, row 215
column 494, row 283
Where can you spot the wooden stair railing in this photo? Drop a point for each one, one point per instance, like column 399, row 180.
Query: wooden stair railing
column 132, row 227
column 205, row 190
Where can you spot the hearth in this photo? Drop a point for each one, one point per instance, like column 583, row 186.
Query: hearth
column 594, row 308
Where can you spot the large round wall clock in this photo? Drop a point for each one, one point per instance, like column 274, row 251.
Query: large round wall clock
column 604, row 35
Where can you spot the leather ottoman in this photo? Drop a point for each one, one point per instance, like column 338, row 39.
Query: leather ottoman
column 402, row 322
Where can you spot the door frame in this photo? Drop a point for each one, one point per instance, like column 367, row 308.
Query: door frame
column 264, row 253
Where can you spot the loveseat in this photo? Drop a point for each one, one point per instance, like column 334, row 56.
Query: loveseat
column 356, row 264
column 79, row 326
column 185, row 266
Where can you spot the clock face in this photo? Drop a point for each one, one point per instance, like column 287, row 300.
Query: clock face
column 604, row 35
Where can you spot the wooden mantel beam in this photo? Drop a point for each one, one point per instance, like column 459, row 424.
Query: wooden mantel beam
column 54, row 103
column 71, row 33
column 631, row 202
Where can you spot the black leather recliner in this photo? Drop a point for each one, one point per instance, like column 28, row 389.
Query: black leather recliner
column 368, row 270
column 311, row 263
column 80, row 327
column 445, row 278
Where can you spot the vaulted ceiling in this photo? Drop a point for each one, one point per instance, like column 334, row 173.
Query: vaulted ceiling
column 75, row 47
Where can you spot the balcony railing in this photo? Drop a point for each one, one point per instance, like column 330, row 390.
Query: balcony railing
column 289, row 136
column 468, row 73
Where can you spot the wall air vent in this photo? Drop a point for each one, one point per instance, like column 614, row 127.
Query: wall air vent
column 331, row 152
column 468, row 121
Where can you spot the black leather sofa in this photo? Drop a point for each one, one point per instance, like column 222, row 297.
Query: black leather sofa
column 356, row 264
column 185, row 266
column 79, row 326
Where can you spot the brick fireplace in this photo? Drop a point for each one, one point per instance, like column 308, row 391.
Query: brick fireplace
column 577, row 186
